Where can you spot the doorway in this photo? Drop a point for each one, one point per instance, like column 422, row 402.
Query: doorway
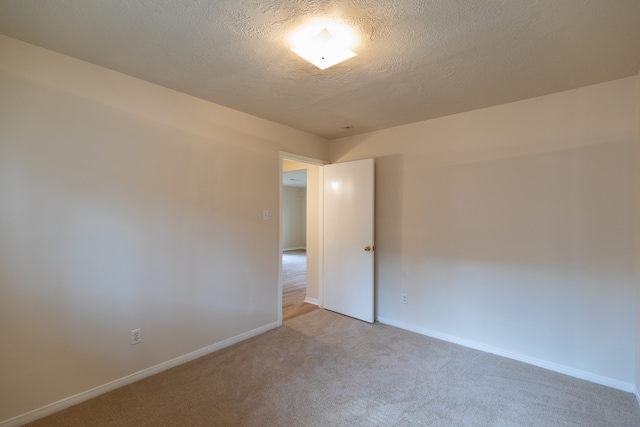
column 300, row 238
column 343, row 250
column 294, row 242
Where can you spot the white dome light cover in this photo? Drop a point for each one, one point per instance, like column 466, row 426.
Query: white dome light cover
column 324, row 45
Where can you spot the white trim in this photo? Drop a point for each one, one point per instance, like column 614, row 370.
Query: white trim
column 588, row 376
column 294, row 249
column 302, row 159
column 89, row 394
column 636, row 394
column 280, row 238
column 313, row 301
column 321, row 234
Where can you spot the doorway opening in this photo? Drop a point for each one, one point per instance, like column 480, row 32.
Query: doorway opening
column 294, row 242
column 300, row 235
column 341, row 249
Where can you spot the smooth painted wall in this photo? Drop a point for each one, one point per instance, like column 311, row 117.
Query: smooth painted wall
column 294, row 218
column 126, row 205
column 512, row 227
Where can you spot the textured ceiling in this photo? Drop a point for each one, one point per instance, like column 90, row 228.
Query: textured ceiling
column 416, row 59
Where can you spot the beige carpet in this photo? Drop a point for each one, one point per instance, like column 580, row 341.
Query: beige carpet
column 323, row 369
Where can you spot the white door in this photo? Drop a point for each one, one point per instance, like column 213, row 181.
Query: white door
column 348, row 238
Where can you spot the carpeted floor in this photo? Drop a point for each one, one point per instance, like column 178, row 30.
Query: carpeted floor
column 324, row 369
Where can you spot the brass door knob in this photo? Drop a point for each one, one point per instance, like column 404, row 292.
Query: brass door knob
column 367, row 248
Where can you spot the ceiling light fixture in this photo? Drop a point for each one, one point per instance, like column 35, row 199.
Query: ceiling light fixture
column 324, row 45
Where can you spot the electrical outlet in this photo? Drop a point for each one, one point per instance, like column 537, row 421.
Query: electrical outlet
column 404, row 299
column 136, row 336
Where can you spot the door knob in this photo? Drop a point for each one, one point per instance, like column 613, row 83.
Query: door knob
column 367, row 248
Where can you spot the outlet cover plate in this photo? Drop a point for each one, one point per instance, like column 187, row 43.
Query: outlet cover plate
column 136, row 336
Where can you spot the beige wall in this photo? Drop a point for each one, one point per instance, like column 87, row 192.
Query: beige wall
column 294, row 218
column 313, row 232
column 118, row 211
column 511, row 228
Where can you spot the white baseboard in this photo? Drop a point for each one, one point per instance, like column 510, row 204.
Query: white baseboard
column 294, row 249
column 89, row 394
column 636, row 394
column 598, row 379
column 313, row 301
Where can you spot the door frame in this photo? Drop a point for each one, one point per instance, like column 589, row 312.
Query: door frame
column 282, row 155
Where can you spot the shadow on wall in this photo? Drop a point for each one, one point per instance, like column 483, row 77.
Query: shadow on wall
column 388, row 224
column 528, row 253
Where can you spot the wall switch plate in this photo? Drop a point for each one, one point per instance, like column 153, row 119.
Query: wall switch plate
column 265, row 215
column 405, row 300
column 136, row 336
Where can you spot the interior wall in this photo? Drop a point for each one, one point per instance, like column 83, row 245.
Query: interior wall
column 313, row 232
column 117, row 211
column 294, row 218
column 511, row 228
